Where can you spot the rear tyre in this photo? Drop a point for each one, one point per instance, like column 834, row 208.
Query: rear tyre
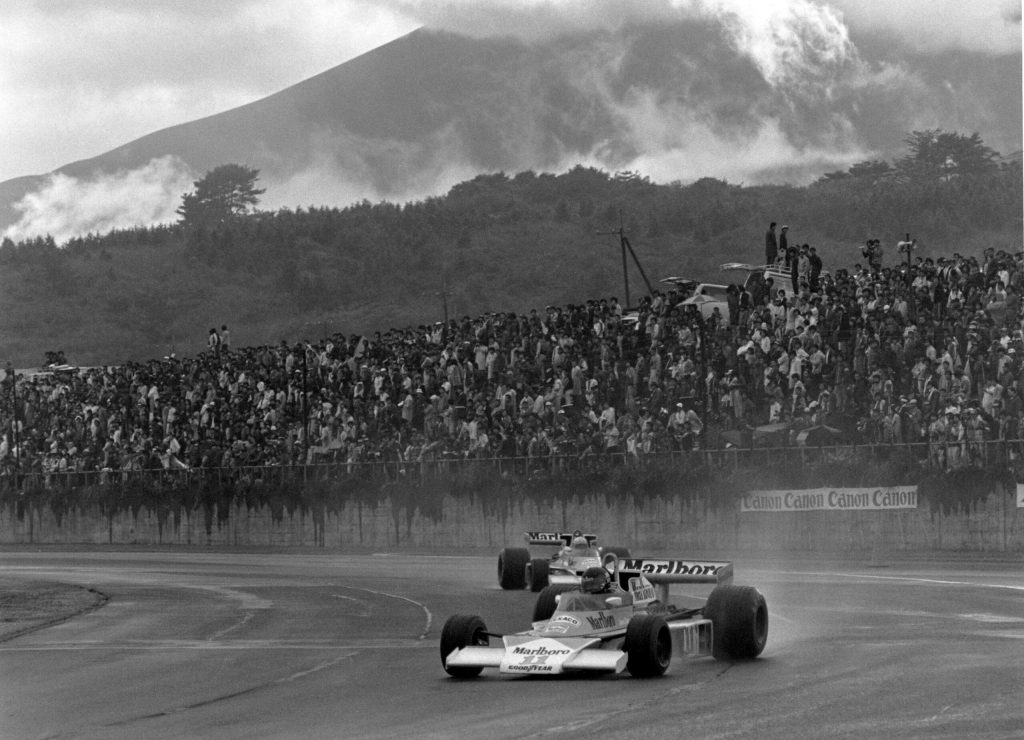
column 739, row 618
column 537, row 574
column 546, row 603
column 648, row 646
column 462, row 630
column 512, row 567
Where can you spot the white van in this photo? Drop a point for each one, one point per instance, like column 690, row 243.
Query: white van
column 705, row 296
column 781, row 277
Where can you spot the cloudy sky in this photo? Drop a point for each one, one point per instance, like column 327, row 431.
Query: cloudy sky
column 81, row 77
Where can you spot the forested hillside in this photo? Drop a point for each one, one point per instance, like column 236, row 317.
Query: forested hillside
column 496, row 242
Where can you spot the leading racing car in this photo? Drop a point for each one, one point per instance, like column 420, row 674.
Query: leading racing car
column 576, row 552
column 601, row 626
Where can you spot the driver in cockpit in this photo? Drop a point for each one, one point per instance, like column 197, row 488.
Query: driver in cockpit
column 580, row 548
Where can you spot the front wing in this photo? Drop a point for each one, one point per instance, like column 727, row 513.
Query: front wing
column 545, row 656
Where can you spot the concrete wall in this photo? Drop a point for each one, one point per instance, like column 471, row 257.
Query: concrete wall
column 994, row 524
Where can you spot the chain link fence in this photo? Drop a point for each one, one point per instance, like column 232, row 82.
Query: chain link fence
column 930, row 457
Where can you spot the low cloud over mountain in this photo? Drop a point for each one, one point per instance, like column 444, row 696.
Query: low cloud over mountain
column 780, row 97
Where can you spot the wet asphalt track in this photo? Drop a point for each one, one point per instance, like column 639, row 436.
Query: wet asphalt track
column 234, row 645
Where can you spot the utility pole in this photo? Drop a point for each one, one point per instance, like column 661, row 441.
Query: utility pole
column 16, row 451
column 305, row 408
column 444, row 303
column 625, row 245
column 907, row 245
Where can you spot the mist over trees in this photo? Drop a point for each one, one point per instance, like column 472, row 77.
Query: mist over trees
column 495, row 242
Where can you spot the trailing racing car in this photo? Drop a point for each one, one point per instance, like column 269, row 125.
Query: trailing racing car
column 599, row 626
column 576, row 552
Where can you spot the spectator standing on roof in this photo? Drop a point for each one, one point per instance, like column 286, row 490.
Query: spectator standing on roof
column 784, row 243
column 771, row 245
column 213, row 342
column 225, row 338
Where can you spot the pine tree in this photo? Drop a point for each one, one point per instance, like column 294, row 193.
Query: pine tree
column 223, row 194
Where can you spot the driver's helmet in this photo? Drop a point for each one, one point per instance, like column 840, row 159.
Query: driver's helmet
column 595, row 580
column 579, row 544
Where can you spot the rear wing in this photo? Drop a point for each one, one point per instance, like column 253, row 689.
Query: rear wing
column 680, row 281
column 743, row 267
column 557, row 538
column 662, row 571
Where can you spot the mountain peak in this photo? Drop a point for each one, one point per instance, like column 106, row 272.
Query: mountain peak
column 675, row 100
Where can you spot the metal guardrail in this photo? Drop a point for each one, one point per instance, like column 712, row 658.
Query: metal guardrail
column 935, row 456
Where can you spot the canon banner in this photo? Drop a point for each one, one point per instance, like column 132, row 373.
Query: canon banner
column 832, row 499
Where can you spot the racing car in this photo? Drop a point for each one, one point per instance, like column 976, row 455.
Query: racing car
column 576, row 552
column 599, row 626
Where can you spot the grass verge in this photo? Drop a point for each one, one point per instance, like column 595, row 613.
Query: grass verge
column 26, row 606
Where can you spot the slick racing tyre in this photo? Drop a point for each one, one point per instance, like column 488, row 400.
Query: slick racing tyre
column 537, row 574
column 739, row 618
column 512, row 567
column 459, row 631
column 546, row 603
column 648, row 646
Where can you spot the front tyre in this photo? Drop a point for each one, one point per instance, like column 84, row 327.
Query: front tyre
column 512, row 567
column 648, row 646
column 546, row 601
column 462, row 630
column 739, row 618
column 537, row 574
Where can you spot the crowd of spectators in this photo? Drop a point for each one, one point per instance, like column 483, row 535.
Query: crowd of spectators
column 918, row 350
